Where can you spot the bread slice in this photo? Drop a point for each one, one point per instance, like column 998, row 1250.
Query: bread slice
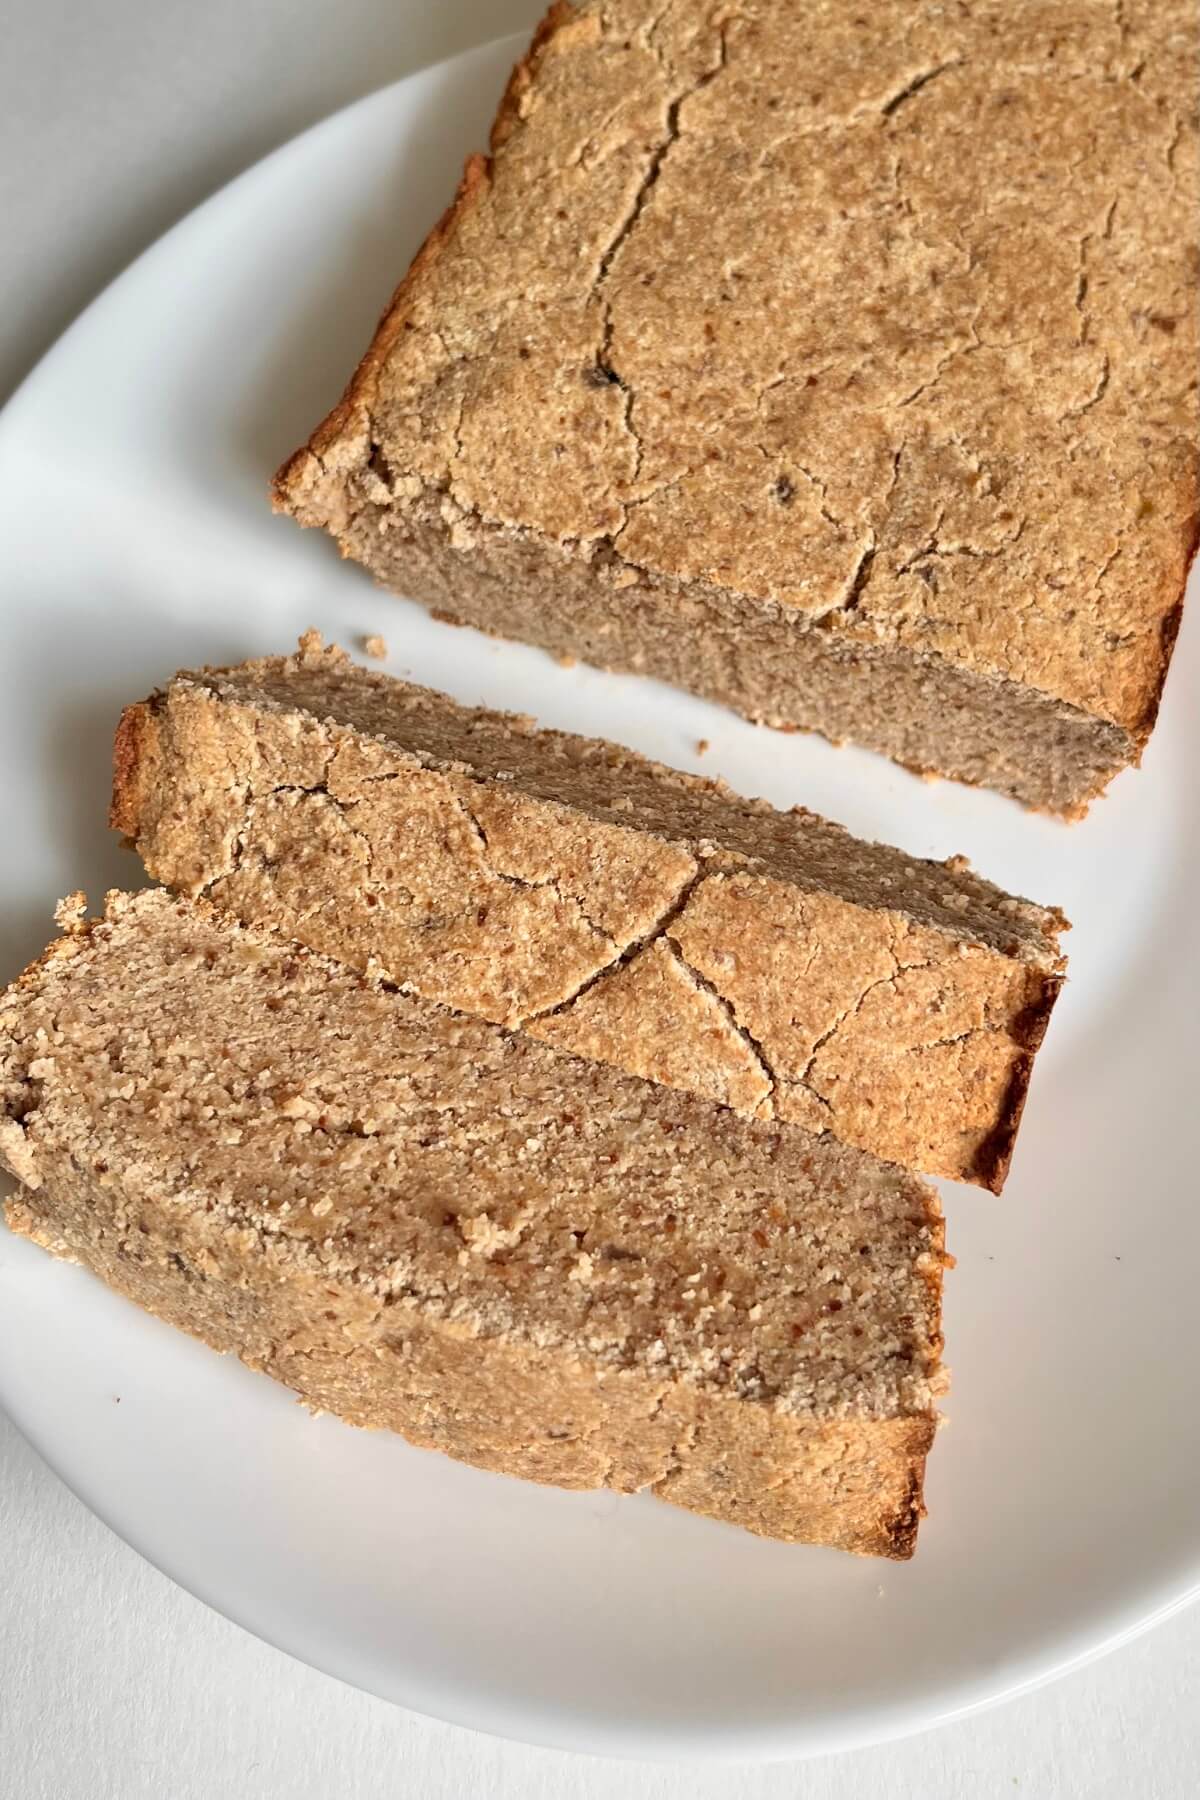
column 835, row 362
column 420, row 1221
column 606, row 904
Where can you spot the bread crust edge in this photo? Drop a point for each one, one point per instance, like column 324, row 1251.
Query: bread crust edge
column 133, row 747
column 306, row 484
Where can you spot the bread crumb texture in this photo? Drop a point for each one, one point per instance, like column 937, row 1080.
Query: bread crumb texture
column 837, row 362
column 421, row 1221
column 614, row 907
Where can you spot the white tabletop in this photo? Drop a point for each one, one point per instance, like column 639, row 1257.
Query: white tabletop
column 114, row 120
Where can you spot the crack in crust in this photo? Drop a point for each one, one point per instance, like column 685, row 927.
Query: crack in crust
column 623, row 954
column 756, row 1051
column 671, row 132
column 674, row 949
column 1079, row 370
column 522, row 881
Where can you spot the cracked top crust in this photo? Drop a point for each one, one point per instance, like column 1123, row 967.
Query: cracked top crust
column 881, row 315
column 611, row 906
column 503, row 1189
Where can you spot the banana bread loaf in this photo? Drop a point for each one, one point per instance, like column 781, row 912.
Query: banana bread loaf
column 606, row 904
column 835, row 362
column 420, row 1221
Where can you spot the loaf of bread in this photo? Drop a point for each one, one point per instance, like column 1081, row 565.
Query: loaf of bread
column 420, row 1221
column 835, row 362
column 608, row 905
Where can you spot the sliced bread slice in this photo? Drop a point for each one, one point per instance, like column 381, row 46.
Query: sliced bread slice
column 421, row 1221
column 616, row 908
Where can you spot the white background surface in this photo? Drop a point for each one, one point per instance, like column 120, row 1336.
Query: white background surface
column 112, row 121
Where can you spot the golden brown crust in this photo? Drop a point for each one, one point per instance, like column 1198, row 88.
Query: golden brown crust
column 296, row 478
column 1172, row 618
column 902, row 1531
column 995, row 1153
column 132, row 752
column 998, row 474
column 559, row 15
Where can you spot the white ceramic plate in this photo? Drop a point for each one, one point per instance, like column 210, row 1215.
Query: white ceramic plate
column 134, row 538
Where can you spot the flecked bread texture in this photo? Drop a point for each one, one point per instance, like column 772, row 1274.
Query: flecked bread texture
column 838, row 363
column 608, row 905
column 420, row 1221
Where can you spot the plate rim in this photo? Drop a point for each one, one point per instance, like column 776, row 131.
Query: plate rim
column 724, row 1742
